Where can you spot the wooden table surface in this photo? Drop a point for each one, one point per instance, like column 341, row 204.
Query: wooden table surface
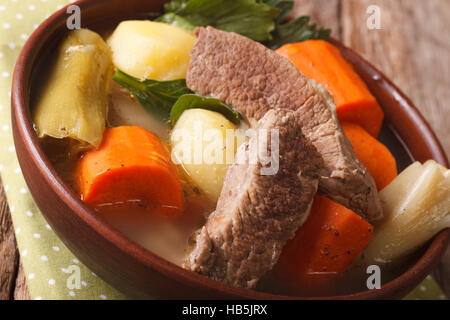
column 412, row 48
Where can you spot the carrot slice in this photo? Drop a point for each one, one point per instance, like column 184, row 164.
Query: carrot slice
column 131, row 169
column 373, row 154
column 328, row 242
column 322, row 62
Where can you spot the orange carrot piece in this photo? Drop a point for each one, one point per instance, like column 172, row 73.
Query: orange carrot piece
column 321, row 61
column 131, row 169
column 328, row 242
column 373, row 154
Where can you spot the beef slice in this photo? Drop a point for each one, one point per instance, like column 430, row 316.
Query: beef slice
column 254, row 79
column 257, row 214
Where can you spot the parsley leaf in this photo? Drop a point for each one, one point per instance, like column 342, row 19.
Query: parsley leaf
column 260, row 20
column 169, row 99
column 296, row 30
column 253, row 19
column 191, row 101
column 157, row 97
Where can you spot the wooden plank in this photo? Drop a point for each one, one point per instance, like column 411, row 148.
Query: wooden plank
column 411, row 48
column 325, row 12
column 9, row 257
column 21, row 289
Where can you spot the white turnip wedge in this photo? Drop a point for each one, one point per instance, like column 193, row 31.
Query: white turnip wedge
column 416, row 207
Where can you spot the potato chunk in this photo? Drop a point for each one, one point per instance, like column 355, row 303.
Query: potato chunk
column 205, row 142
column 151, row 50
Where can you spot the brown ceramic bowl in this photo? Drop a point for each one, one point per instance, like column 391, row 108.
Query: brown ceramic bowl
column 135, row 270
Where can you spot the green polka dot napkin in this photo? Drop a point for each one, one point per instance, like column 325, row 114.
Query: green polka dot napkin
column 49, row 266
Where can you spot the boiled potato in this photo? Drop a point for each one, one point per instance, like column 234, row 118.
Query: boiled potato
column 151, row 50
column 205, row 142
column 416, row 206
column 73, row 100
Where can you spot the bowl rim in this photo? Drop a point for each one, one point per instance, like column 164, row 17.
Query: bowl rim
column 20, row 100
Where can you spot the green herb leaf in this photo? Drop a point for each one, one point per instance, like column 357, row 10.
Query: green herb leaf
column 174, row 5
column 285, row 7
column 247, row 17
column 176, row 20
column 296, row 30
column 168, row 99
column 191, row 101
column 157, row 97
column 260, row 20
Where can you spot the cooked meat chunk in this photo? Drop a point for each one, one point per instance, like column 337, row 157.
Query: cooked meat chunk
column 256, row 214
column 254, row 79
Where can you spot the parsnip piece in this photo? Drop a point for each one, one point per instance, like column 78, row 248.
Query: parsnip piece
column 151, row 50
column 73, row 102
column 205, row 143
column 416, row 206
